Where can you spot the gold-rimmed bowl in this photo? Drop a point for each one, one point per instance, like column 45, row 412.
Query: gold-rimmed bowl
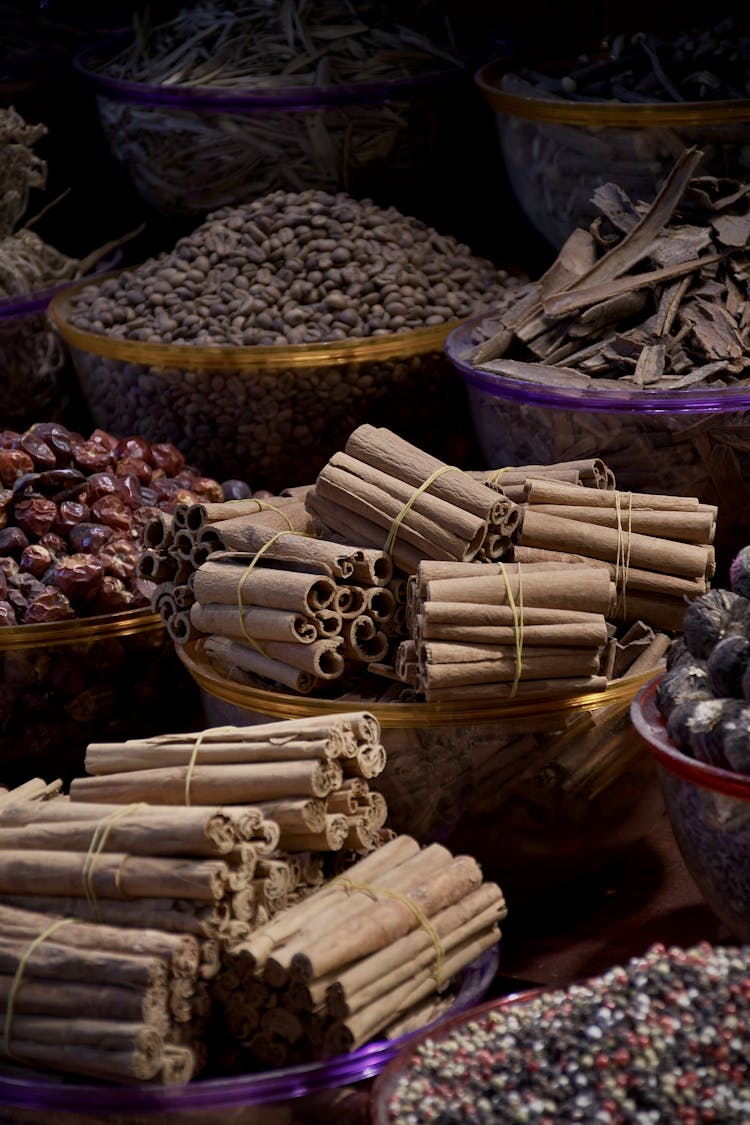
column 271, row 415
column 540, row 792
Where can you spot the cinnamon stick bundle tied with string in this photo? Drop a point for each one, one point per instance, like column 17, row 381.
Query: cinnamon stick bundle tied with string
column 330, row 972
column 381, row 491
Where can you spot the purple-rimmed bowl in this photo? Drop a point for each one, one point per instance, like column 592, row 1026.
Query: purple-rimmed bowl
column 248, row 1099
column 191, row 149
column 709, row 810
column 693, row 442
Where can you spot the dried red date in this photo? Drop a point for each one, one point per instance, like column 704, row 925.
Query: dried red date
column 98, row 485
column 57, row 437
column 207, row 489
column 20, row 603
column 89, row 538
column 35, row 560
column 129, row 490
column 120, row 557
column 167, row 457
column 6, row 496
column 38, row 450
column 92, row 457
column 70, row 514
column 105, row 440
column 3, row 585
column 12, row 542
column 136, row 467
column 51, row 605
column 14, row 463
column 113, row 596
column 7, row 615
column 36, row 517
column 134, row 446
column 8, row 439
column 112, row 511
column 55, row 544
column 79, row 577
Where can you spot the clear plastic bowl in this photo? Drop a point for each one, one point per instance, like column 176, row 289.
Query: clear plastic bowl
column 38, row 384
column 556, row 152
column 709, row 810
column 575, row 796
column 278, row 1097
column 271, row 415
column 189, row 150
column 682, row 443
column 68, row 683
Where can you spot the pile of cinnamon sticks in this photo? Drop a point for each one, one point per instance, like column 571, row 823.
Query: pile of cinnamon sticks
column 332, row 972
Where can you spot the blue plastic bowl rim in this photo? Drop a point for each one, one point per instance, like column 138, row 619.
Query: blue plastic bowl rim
column 215, row 99
column 704, row 400
column 263, row 1088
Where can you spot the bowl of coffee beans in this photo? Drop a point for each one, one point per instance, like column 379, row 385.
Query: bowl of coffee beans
column 275, row 328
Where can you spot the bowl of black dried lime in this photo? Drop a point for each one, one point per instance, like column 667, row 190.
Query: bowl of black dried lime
column 695, row 719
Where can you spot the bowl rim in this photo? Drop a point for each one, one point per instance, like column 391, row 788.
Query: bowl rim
column 284, row 705
column 628, row 401
column 218, row 99
column 248, row 358
column 76, row 630
column 652, row 728
column 382, row 1087
column 594, row 114
column 256, row 1088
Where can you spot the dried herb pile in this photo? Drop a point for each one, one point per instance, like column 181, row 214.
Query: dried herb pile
column 655, row 296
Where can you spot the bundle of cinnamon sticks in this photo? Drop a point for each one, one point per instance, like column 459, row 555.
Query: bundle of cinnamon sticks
column 327, row 975
column 385, row 493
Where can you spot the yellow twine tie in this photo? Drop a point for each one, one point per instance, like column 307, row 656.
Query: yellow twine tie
column 391, row 537
column 18, row 977
column 424, row 921
column 95, row 849
column 622, row 561
column 250, row 568
column 494, row 476
column 516, row 610
column 194, row 754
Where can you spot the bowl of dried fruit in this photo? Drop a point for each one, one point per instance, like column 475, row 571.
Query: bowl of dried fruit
column 82, row 655
column 622, row 114
column 222, row 104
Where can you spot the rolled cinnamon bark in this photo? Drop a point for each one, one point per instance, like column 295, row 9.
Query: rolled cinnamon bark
column 298, row 815
column 569, row 587
column 46, row 997
column 687, row 526
column 225, row 579
column 330, row 839
column 550, row 492
column 649, row 581
column 52, row 961
column 105, row 758
column 363, row 640
column 177, row 916
column 211, row 785
column 166, row 839
column 450, row 665
column 112, row 875
column 259, row 622
column 298, row 551
column 351, row 527
column 538, row 690
column 231, row 654
column 141, row 1062
column 644, row 551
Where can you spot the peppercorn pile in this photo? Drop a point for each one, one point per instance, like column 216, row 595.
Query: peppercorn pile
column 705, row 693
column 73, row 511
column 660, row 1039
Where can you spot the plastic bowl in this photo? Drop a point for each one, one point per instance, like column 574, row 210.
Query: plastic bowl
column 271, row 415
column 189, row 150
column 68, row 683
column 513, row 784
column 556, row 152
column 279, row 1097
column 682, row 443
column 37, row 382
column 709, row 809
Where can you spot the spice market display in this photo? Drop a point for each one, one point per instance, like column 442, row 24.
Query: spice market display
column 373, row 744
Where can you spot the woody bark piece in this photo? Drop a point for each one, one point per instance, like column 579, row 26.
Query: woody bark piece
column 299, row 552
column 330, row 839
column 646, row 580
column 198, row 515
column 687, row 526
column 177, row 916
column 568, row 587
column 363, row 640
column 105, row 758
column 138, row 1063
column 111, row 875
column 529, row 689
column 225, row 579
column 258, row 622
column 52, row 961
column 232, row 654
column 42, row 997
column 650, row 366
column 163, row 837
column 446, row 664
column 210, row 785
column 644, row 551
column 298, row 815
column 568, row 635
